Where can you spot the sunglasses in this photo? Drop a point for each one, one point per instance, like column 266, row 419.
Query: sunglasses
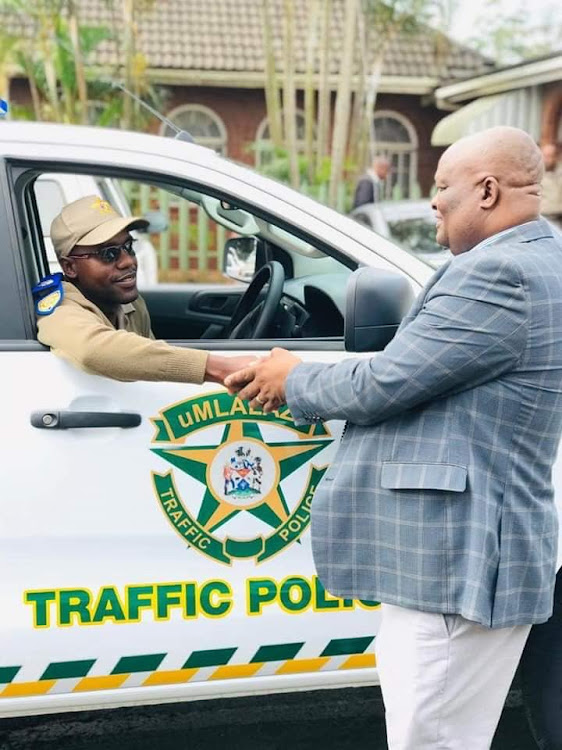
column 111, row 253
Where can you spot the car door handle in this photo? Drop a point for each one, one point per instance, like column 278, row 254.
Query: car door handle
column 65, row 420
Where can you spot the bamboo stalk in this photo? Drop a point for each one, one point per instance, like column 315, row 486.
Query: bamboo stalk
column 289, row 94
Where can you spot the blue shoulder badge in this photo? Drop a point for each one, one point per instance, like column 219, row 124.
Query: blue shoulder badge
column 48, row 294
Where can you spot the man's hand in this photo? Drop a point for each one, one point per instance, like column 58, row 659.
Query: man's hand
column 263, row 382
column 218, row 367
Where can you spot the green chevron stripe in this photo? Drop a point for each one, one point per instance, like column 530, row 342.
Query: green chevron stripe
column 59, row 670
column 7, row 674
column 278, row 652
column 141, row 663
column 347, row 646
column 216, row 657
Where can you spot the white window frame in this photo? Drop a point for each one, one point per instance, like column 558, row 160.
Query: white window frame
column 209, row 142
column 385, row 148
column 301, row 144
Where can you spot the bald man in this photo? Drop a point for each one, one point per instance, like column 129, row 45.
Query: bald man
column 439, row 503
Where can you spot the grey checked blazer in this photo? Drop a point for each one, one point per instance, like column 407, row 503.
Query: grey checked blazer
column 440, row 496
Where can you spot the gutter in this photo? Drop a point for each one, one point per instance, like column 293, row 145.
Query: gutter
column 516, row 77
column 418, row 85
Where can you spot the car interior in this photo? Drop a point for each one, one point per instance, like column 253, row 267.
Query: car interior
column 263, row 281
column 231, row 272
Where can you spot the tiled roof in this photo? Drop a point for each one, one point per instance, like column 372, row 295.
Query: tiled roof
column 226, row 35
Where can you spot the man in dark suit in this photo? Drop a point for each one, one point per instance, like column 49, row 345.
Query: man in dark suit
column 370, row 188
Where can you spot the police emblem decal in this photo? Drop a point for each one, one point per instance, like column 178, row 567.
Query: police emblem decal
column 234, row 461
column 242, row 473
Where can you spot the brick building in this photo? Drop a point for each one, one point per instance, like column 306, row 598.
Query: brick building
column 209, row 56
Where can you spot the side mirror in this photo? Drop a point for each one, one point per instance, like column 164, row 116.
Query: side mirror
column 239, row 258
column 376, row 302
column 157, row 222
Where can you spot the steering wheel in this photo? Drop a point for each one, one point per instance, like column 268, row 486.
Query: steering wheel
column 251, row 320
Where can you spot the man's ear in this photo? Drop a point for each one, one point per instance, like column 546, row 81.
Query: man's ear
column 68, row 267
column 489, row 192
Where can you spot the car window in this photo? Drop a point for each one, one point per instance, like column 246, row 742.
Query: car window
column 414, row 234
column 50, row 201
column 417, row 235
column 201, row 251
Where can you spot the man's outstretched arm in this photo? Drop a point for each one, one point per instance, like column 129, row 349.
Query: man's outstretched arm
column 472, row 328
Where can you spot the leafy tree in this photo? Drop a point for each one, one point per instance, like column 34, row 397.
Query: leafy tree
column 343, row 100
column 53, row 52
column 50, row 51
column 271, row 83
column 370, row 28
column 135, row 62
column 512, row 36
column 381, row 22
column 289, row 91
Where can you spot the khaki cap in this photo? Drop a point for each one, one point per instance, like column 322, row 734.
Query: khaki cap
column 89, row 221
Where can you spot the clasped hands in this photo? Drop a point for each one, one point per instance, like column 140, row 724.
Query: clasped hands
column 262, row 381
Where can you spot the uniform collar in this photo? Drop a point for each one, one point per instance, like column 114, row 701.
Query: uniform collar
column 72, row 292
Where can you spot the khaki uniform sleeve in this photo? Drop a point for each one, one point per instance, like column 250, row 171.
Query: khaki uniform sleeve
column 79, row 336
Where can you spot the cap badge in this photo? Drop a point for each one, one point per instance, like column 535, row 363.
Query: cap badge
column 102, row 206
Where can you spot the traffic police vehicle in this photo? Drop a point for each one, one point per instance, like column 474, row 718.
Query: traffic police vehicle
column 155, row 541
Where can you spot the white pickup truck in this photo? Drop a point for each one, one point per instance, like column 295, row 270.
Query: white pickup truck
column 154, row 537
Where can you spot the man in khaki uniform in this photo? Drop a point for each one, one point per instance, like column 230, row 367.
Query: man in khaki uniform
column 102, row 325
column 551, row 204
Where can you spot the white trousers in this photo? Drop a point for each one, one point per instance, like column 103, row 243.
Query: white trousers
column 444, row 679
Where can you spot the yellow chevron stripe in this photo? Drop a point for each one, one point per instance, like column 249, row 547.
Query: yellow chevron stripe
column 295, row 666
column 170, row 676
column 20, row 689
column 178, row 676
column 106, row 682
column 231, row 671
column 359, row 661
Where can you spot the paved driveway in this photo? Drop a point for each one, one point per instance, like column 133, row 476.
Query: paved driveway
column 324, row 720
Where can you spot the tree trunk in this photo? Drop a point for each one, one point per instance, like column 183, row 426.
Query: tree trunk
column 34, row 88
column 324, row 93
column 74, row 32
column 343, row 101
column 371, row 97
column 309, row 113
column 7, row 45
column 128, row 8
column 48, row 55
column 358, row 135
column 271, row 85
column 4, row 85
column 289, row 95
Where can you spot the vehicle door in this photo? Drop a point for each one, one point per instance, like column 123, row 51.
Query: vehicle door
column 164, row 553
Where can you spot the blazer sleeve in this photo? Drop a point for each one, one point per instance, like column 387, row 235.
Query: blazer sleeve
column 471, row 329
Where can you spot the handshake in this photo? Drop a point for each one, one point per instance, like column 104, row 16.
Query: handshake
column 261, row 381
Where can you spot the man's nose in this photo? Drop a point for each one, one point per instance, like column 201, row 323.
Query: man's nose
column 125, row 260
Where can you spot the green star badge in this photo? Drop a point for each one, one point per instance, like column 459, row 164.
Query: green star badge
column 241, row 472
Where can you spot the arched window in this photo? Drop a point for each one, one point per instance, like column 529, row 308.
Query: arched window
column 395, row 138
column 263, row 143
column 202, row 123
